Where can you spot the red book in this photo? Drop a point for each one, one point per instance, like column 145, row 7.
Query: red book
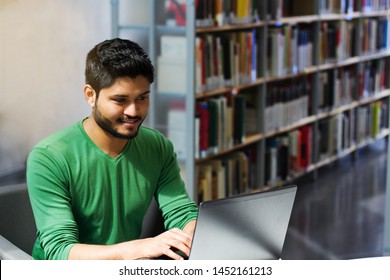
column 204, row 128
column 306, row 146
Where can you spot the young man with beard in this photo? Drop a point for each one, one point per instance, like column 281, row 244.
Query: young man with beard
column 91, row 184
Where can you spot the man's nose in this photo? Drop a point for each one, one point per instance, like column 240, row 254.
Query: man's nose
column 131, row 109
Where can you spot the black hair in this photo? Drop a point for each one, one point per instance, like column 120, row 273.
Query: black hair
column 116, row 58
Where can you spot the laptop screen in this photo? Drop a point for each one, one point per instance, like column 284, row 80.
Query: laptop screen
column 246, row 227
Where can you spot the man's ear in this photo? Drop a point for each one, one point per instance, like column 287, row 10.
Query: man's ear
column 90, row 95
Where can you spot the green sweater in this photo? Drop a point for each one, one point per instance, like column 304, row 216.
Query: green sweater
column 79, row 194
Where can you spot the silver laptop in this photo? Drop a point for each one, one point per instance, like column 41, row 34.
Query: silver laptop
column 247, row 227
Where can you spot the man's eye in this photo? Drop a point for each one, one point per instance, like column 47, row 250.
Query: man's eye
column 143, row 98
column 119, row 100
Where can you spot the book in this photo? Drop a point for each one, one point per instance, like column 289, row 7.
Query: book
column 217, row 183
column 204, row 119
column 204, row 178
column 290, row 49
column 322, row 139
column 276, row 47
column 226, row 60
column 284, row 158
column 240, row 173
column 275, row 9
column 271, row 161
column 375, row 119
column 294, row 140
column 197, row 135
column 286, row 104
column 239, row 119
column 200, row 72
column 306, row 146
column 218, row 178
column 213, row 127
column 220, row 170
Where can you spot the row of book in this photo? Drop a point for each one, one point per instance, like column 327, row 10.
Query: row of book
column 308, row 7
column 286, row 104
column 336, row 134
column 375, row 34
column 225, row 60
column 230, row 12
column 374, row 78
column 374, row 5
column 337, row 40
column 233, row 59
column 290, row 49
column 340, row 86
column 221, row 123
column 337, row 6
column 228, row 176
column 337, row 87
column 288, row 154
column 345, row 130
column 372, row 119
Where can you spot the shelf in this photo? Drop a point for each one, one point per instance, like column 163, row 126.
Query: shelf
column 293, row 20
column 230, row 90
column 302, row 122
column 229, row 28
column 338, row 17
column 249, row 140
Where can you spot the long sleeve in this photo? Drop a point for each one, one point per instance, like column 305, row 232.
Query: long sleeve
column 51, row 204
column 177, row 208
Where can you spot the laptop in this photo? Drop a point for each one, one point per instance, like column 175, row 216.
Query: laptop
column 246, row 227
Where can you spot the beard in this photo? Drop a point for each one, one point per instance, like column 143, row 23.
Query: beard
column 108, row 126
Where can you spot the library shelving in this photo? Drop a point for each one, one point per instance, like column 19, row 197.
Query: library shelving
column 259, row 93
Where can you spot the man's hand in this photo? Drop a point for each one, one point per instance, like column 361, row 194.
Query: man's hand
column 166, row 244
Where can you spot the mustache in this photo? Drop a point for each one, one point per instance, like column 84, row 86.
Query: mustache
column 129, row 119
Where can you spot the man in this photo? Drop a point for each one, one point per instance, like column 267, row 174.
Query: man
column 91, row 184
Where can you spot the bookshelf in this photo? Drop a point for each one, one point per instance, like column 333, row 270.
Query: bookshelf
column 274, row 91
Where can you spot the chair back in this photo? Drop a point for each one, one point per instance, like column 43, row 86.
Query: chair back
column 17, row 223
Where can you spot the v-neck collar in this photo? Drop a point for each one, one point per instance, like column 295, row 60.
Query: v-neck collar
column 99, row 150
